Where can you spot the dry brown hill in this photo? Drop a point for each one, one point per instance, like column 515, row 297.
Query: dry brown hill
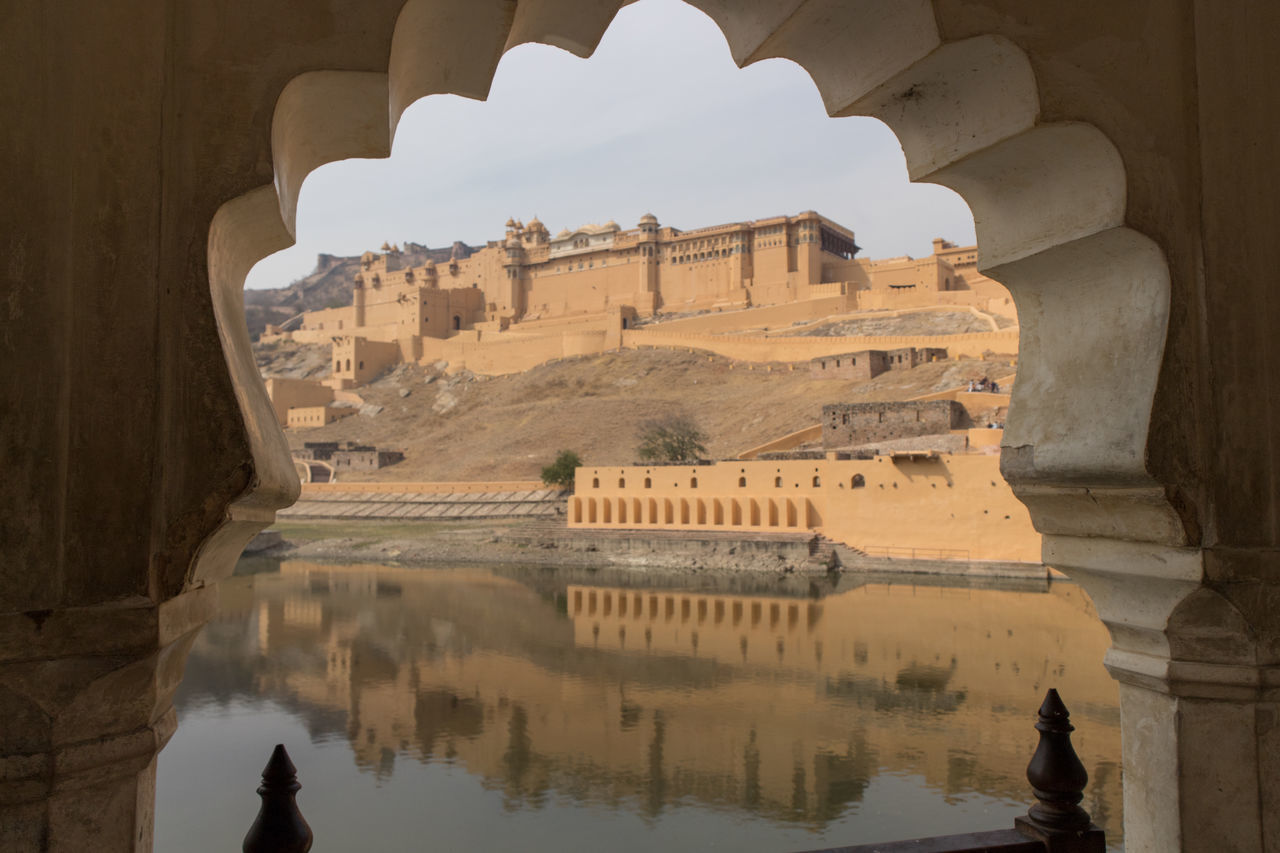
column 914, row 323
column 474, row 428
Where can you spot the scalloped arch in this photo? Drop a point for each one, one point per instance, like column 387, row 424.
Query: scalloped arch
column 1048, row 200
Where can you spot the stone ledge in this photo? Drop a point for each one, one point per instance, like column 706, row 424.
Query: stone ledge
column 85, row 764
column 128, row 627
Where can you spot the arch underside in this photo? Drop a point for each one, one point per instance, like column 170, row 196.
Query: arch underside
column 1048, row 199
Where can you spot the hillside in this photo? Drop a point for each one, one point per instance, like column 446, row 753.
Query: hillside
column 328, row 285
column 913, row 323
column 475, row 428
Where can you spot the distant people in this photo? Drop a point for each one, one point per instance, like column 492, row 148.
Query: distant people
column 995, row 387
column 970, row 386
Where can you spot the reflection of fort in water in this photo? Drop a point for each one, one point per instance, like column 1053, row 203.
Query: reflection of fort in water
column 784, row 707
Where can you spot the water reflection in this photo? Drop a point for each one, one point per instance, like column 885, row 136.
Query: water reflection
column 637, row 699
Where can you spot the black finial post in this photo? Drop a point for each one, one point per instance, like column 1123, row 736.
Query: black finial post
column 1057, row 779
column 279, row 827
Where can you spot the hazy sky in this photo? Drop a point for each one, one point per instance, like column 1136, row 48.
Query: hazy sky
column 658, row 120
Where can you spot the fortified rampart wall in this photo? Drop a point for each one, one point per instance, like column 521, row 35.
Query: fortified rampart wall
column 760, row 348
column 497, row 353
column 891, row 312
column 769, row 316
column 992, row 300
column 494, row 354
column 790, row 441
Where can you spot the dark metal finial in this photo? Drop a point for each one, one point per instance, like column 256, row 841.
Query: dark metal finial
column 1056, row 775
column 279, row 827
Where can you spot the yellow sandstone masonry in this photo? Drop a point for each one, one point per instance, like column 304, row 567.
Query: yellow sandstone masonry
column 533, row 297
column 956, row 507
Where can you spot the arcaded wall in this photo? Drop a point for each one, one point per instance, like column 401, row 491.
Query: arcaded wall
column 947, row 506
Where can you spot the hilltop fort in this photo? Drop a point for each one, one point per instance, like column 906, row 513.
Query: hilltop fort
column 531, row 297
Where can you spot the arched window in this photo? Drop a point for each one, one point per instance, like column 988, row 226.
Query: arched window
column 742, row 482
column 337, row 365
column 457, row 322
column 648, row 483
column 693, row 482
column 362, row 365
column 622, row 482
column 777, row 482
column 817, row 481
column 858, row 481
column 595, row 482
column 348, row 364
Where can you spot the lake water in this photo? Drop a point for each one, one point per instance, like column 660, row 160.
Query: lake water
column 505, row 709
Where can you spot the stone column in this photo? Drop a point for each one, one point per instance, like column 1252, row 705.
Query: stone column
column 1194, row 642
column 86, row 702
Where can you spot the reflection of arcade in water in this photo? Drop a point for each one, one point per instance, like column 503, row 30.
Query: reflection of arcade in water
column 784, row 707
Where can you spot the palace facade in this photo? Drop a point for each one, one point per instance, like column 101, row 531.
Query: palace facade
column 596, row 270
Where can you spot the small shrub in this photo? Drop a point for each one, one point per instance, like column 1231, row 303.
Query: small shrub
column 560, row 472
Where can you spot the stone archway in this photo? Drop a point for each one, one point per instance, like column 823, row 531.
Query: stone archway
column 1112, row 196
column 969, row 114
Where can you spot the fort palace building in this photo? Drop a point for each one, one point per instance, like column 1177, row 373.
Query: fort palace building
column 602, row 277
column 530, row 275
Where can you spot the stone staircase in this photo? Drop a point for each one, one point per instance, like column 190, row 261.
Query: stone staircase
column 831, row 554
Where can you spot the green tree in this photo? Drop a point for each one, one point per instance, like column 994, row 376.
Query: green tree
column 560, row 472
column 672, row 438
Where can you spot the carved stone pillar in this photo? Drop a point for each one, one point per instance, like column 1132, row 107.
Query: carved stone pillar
column 86, row 699
column 1194, row 649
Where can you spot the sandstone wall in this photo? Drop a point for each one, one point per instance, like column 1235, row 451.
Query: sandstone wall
column 954, row 506
column 853, row 424
column 287, row 394
column 762, row 349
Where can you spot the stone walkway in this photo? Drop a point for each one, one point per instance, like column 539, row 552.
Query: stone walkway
column 526, row 504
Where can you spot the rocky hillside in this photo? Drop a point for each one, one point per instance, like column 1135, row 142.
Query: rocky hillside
column 913, row 323
column 328, row 285
column 466, row 427
column 289, row 360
